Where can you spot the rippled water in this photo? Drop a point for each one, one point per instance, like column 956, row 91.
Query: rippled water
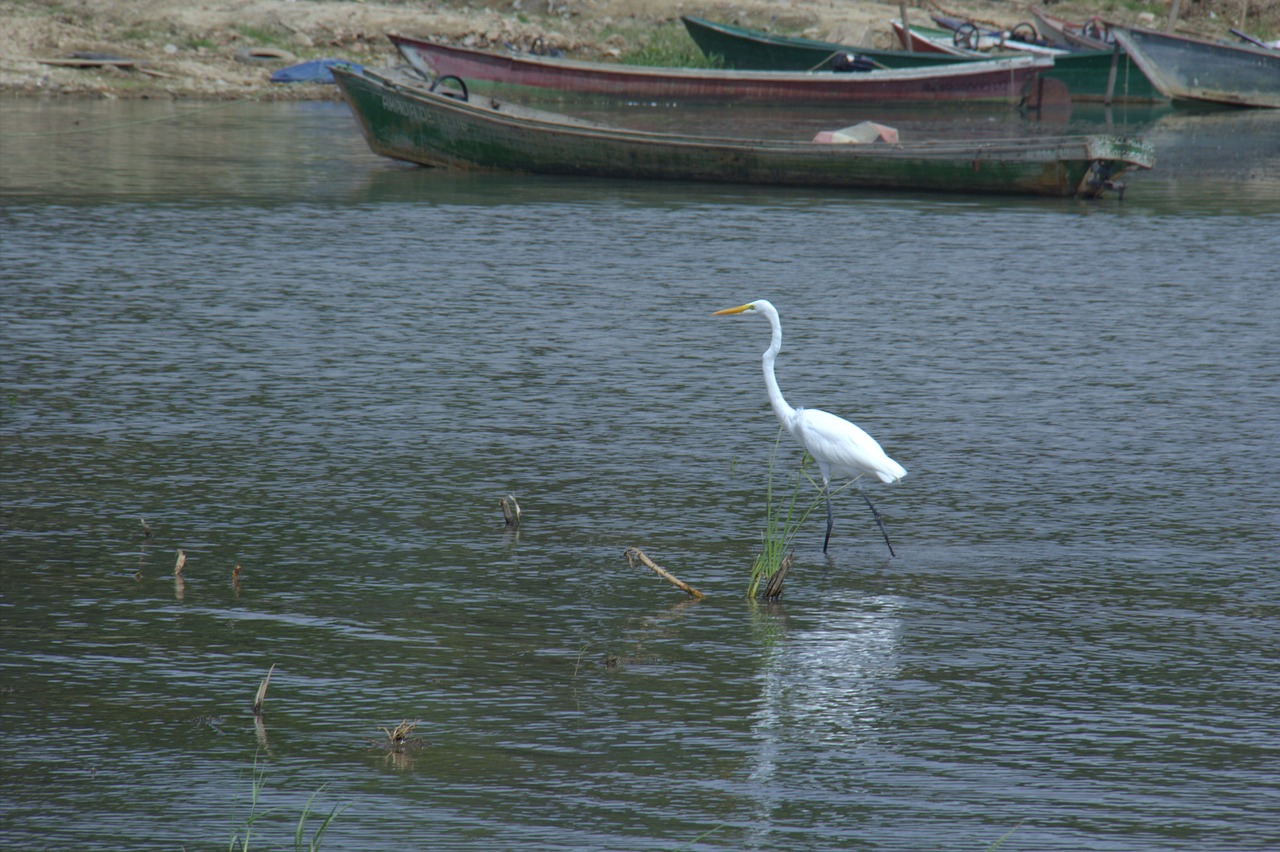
column 287, row 354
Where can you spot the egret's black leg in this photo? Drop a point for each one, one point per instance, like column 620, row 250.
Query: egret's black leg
column 830, row 520
column 879, row 521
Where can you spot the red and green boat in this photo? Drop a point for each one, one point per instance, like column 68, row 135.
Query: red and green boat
column 1004, row 80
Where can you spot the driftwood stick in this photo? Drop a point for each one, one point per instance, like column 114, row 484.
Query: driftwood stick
column 510, row 511
column 88, row 62
column 262, row 692
column 635, row 554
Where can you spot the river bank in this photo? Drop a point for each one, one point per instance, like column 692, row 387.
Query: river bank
column 228, row 48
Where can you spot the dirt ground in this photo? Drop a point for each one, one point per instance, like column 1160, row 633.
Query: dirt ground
column 228, row 48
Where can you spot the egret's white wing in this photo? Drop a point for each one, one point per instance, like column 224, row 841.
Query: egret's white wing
column 844, row 447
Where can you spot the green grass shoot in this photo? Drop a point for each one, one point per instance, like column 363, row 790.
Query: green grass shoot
column 240, row 838
column 782, row 521
column 784, row 516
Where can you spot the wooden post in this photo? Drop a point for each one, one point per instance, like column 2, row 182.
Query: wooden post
column 1111, row 77
column 1173, row 16
column 906, row 25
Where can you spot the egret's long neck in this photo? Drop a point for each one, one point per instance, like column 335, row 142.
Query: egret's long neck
column 785, row 413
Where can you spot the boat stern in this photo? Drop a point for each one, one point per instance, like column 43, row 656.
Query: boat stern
column 1111, row 158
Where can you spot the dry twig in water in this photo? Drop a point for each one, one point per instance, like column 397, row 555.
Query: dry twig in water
column 262, row 692
column 635, row 554
column 510, row 511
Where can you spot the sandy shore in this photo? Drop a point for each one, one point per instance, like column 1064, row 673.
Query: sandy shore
column 228, row 48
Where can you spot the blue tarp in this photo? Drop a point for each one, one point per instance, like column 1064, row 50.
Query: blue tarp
column 315, row 71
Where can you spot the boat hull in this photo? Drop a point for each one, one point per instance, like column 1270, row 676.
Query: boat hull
column 929, row 40
column 754, row 50
column 1191, row 69
column 1000, row 81
column 404, row 121
column 1086, row 75
column 1064, row 34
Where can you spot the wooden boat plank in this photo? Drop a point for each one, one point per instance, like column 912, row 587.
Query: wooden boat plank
column 1051, row 27
column 83, row 62
column 928, row 40
column 1069, row 35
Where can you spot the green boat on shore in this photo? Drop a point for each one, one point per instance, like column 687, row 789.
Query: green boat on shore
column 1086, row 74
column 756, row 50
column 1201, row 71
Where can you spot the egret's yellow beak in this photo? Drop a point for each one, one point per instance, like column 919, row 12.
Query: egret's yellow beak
column 728, row 311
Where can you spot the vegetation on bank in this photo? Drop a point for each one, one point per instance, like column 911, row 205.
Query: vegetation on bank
column 190, row 51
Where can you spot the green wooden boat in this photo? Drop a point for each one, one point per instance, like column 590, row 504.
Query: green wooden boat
column 405, row 119
column 1198, row 70
column 756, row 50
column 1086, row 74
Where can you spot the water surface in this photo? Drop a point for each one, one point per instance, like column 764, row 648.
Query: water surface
column 327, row 368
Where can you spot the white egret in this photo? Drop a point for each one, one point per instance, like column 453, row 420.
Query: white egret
column 841, row 449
